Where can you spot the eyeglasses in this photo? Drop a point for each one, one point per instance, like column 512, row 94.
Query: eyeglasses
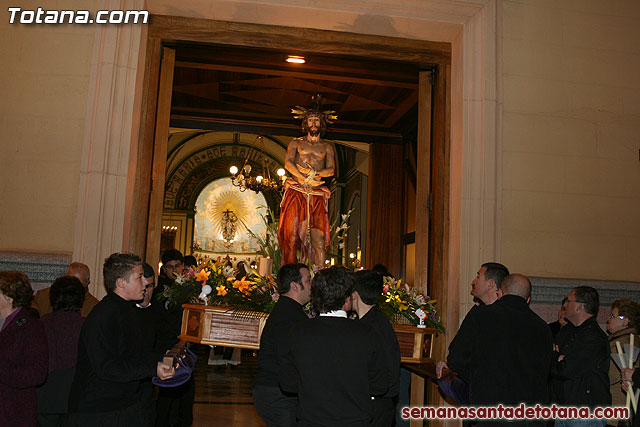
column 613, row 316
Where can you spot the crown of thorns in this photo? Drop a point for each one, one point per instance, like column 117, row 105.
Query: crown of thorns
column 317, row 103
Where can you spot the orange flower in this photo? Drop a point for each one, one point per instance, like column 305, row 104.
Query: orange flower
column 203, row 275
column 222, row 291
column 243, row 285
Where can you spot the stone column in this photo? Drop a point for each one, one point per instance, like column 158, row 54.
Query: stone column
column 109, row 137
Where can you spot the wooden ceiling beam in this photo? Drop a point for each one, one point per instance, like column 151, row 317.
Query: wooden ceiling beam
column 176, row 110
column 247, row 126
column 295, row 74
column 422, row 53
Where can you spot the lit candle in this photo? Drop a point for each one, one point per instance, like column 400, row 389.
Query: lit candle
column 265, row 266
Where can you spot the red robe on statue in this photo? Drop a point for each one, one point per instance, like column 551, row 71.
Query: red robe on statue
column 298, row 204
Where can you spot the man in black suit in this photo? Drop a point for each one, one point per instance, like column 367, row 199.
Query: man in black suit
column 504, row 352
column 333, row 363
column 580, row 368
column 366, row 294
column 274, row 407
column 112, row 359
column 174, row 405
column 485, row 289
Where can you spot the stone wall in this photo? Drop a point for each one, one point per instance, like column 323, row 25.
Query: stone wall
column 41, row 267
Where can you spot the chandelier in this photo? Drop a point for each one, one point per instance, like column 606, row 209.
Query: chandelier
column 244, row 179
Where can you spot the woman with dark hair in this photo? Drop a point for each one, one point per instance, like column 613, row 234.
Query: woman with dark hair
column 23, row 351
column 623, row 321
column 62, row 327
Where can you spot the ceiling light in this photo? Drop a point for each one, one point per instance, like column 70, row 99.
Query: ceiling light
column 296, row 59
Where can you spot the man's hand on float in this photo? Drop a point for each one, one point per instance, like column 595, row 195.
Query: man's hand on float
column 439, row 367
column 165, row 372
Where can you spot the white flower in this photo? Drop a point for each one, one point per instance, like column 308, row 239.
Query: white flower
column 179, row 279
column 419, row 299
column 204, row 298
column 228, row 271
column 341, row 246
column 344, row 217
column 345, row 226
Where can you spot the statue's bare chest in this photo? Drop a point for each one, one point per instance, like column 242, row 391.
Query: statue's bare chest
column 316, row 151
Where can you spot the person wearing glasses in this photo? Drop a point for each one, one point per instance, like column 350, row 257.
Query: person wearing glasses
column 580, row 366
column 623, row 321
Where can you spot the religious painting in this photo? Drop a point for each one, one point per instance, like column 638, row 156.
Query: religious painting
column 223, row 215
column 193, row 324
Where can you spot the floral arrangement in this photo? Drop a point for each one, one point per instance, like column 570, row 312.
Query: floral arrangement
column 400, row 302
column 215, row 284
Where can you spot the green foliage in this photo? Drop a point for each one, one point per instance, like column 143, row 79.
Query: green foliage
column 400, row 299
column 268, row 243
column 338, row 229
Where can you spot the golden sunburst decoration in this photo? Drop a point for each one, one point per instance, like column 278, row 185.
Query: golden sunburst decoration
column 227, row 200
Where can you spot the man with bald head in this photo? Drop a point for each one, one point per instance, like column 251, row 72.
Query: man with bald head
column 505, row 352
column 81, row 272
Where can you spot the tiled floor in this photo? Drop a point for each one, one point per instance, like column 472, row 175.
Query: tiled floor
column 223, row 393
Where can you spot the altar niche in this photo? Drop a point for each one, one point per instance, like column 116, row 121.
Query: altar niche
column 223, row 215
column 203, row 213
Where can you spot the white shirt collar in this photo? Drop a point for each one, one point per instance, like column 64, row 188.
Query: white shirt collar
column 139, row 306
column 335, row 313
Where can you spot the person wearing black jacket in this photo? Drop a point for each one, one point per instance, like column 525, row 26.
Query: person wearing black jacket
column 504, row 352
column 580, row 369
column 485, row 289
column 112, row 359
column 148, row 327
column 275, row 407
column 333, row 363
column 174, row 406
column 367, row 291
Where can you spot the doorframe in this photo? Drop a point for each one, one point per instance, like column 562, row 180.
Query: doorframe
column 116, row 105
column 165, row 30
